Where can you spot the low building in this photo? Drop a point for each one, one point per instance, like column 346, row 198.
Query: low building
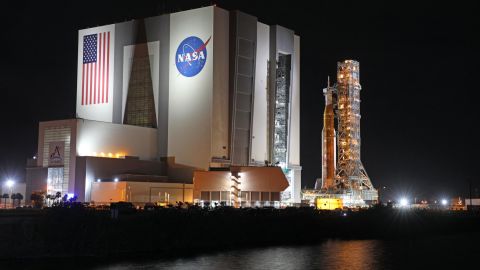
column 139, row 193
column 472, row 204
column 244, row 186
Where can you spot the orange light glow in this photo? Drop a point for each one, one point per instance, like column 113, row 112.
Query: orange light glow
column 120, row 155
column 109, row 154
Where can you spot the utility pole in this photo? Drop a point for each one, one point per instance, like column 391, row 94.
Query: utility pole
column 470, row 191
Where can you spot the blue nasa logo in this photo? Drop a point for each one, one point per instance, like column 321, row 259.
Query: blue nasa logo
column 191, row 56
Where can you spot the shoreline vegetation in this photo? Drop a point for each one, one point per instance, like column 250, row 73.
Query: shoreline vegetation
column 63, row 232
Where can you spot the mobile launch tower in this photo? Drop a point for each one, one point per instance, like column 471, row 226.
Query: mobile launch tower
column 343, row 174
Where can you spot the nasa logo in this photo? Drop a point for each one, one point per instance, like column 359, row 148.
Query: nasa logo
column 191, row 56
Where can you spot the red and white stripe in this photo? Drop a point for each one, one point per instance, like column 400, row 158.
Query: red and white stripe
column 95, row 76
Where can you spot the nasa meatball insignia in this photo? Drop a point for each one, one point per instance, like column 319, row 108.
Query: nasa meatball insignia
column 191, row 56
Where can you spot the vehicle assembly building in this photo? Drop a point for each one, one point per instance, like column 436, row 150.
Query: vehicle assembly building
column 343, row 174
column 166, row 101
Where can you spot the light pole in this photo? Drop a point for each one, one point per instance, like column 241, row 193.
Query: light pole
column 470, row 193
column 10, row 183
column 381, row 192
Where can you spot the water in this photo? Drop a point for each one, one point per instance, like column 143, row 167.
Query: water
column 425, row 253
column 363, row 254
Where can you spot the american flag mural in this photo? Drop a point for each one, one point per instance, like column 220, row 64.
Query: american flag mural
column 95, row 68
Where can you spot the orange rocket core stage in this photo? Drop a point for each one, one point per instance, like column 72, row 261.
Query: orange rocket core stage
column 329, row 142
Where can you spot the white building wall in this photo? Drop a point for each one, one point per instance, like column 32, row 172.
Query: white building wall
column 95, row 138
column 297, row 185
column 191, row 98
column 294, row 143
column 294, row 131
column 260, row 109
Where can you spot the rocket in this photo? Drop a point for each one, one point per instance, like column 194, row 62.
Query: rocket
column 329, row 137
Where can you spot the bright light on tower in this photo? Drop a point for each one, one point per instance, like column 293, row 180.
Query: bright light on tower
column 116, row 179
column 403, row 202
column 10, row 183
column 444, row 202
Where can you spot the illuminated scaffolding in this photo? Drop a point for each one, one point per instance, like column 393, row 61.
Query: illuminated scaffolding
column 281, row 110
column 350, row 177
column 281, row 119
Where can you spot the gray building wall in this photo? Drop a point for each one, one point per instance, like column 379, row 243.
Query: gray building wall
column 243, row 41
column 221, row 68
column 163, row 35
column 157, row 29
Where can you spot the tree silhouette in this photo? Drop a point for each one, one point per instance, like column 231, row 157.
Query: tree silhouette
column 58, row 195
column 49, row 197
column 5, row 196
column 19, row 198
column 37, row 199
column 13, row 197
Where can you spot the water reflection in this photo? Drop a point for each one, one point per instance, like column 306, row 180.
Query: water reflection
column 332, row 254
column 352, row 254
column 436, row 252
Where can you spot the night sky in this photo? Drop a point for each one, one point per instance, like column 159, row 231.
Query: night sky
column 419, row 68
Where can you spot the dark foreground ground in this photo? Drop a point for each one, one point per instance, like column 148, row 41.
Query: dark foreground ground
column 63, row 232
